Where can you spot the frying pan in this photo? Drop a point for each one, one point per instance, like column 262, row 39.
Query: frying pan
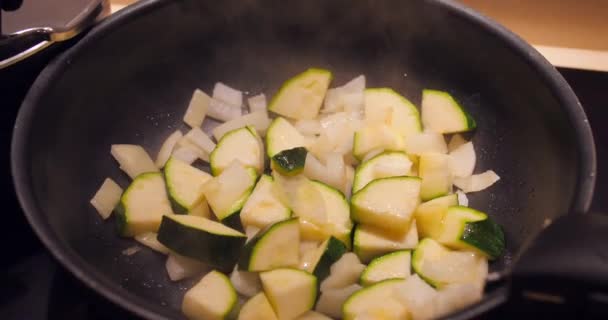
column 130, row 79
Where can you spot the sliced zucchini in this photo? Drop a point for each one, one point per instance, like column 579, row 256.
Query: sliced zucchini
column 343, row 273
column 442, row 114
column 264, row 207
column 184, row 185
column 241, row 144
column 466, row 228
column 387, row 203
column 383, row 165
column 290, row 162
column 440, row 266
column 142, row 205
column 455, row 297
column 257, row 308
column 291, row 292
column 434, row 169
column 429, row 215
column 330, row 251
column 389, row 266
column 373, row 137
column 133, row 159
column 311, row 315
column 425, row 142
column 202, row 239
column 228, row 192
column 301, row 96
column 338, row 223
column 376, row 302
column 419, row 297
column 282, row 135
column 211, row 298
column 462, row 160
column 273, row 247
column 402, row 114
column 371, row 242
column 331, row 300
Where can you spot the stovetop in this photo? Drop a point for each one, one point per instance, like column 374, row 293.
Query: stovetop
column 33, row 286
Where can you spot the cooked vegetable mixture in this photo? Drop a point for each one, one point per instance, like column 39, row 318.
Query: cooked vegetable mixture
column 327, row 203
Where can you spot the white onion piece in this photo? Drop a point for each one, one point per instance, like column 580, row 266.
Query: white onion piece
column 131, row 250
column 335, row 170
column 150, row 240
column 200, row 139
column 477, row 182
column 314, row 169
column 454, row 297
column 372, row 154
column 456, row 141
column 331, row 301
column 462, row 160
column 308, row 127
column 222, row 111
column 418, row 296
column 259, row 120
column 348, row 97
column 257, row 103
column 197, row 109
column 246, row 283
column 227, row 94
column 463, row 200
column 349, row 177
column 186, row 154
column 133, row 159
column 425, row 142
column 180, row 267
column 251, row 231
column 167, row 148
column 344, row 272
column 106, row 198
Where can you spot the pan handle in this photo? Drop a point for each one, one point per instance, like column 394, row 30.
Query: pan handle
column 565, row 270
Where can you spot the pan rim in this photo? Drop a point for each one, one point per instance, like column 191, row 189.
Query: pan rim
column 141, row 307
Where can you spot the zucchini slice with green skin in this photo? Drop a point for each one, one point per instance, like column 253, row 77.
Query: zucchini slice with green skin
column 389, row 266
column 301, row 97
column 228, row 192
column 142, row 205
column 429, row 215
column 184, row 184
column 275, row 246
column 241, row 144
column 202, row 239
column 383, row 165
column 291, row 292
column 257, row 308
column 330, row 251
column 282, row 135
column 338, row 223
column 376, row 302
column 264, row 207
column 371, row 242
column 469, row 229
column 212, row 298
column 434, row 169
column 403, row 115
column 441, row 113
column 376, row 137
column 290, row 162
column 387, row 203
column 440, row 266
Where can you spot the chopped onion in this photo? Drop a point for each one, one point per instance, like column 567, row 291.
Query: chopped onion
column 335, row 170
column 133, row 159
column 222, row 111
column 246, row 283
column 197, row 109
column 463, row 200
column 456, row 141
column 227, row 94
column 372, row 154
column 349, row 177
column 185, row 154
column 200, row 139
column 455, row 297
column 331, row 301
column 426, row 142
column 180, row 267
column 150, row 240
column 251, row 231
column 477, row 182
column 308, row 127
column 348, row 97
column 257, row 103
column 106, row 198
column 314, row 169
column 462, row 160
column 344, row 272
column 259, row 120
column 165, row 150
column 131, row 250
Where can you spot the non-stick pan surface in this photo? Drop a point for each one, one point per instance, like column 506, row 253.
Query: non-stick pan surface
column 130, row 79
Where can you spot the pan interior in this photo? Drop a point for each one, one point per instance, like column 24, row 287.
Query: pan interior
column 131, row 82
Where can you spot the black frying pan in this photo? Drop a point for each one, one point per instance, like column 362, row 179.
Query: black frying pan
column 130, row 79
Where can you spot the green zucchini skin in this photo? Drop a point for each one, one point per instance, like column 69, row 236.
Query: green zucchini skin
column 333, row 252
column 176, row 206
column 290, row 162
column 120, row 218
column 486, row 235
column 219, row 251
